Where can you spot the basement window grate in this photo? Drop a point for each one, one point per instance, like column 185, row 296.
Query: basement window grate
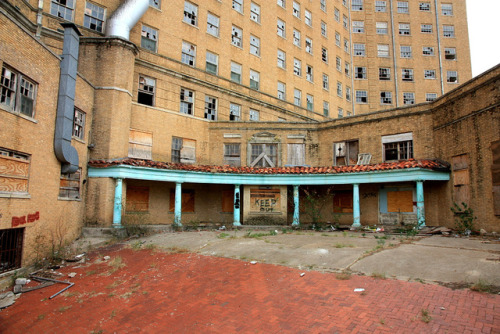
column 11, row 249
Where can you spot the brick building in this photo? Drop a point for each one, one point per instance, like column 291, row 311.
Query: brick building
column 185, row 112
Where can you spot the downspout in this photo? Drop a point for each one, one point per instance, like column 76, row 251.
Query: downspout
column 439, row 47
column 394, row 57
column 63, row 150
column 39, row 18
column 125, row 17
column 351, row 49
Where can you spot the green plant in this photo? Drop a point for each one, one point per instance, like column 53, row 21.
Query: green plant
column 314, row 202
column 345, row 275
column 137, row 245
column 425, row 316
column 464, row 218
column 378, row 275
column 222, row 235
column 482, row 286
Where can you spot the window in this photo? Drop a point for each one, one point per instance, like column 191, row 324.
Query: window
column 17, row 92
column 255, row 12
column 424, row 6
column 297, row 67
column 137, row 199
column 11, row 248
column 296, row 9
column 187, row 200
column 281, row 90
column 236, row 37
column 234, row 112
column 336, row 14
column 381, row 6
column 281, row 59
column 383, row 50
column 281, row 3
column 322, row 5
column 430, row 74
column 339, row 89
column 326, row 82
column 183, row 151
column 149, row 38
column 238, row 5
column 381, row 28
column 308, row 17
column 140, row 144
column 342, row 202
column 254, row 80
column 358, row 26
column 297, row 97
column 357, row 5
column 14, row 172
column 155, row 3
column 426, row 28
column 359, row 72
column 398, row 147
column 263, row 155
column 428, row 51
column 232, row 154
column 326, row 108
column 212, row 63
column 461, row 177
column 187, row 101
column 361, row 96
column 296, row 38
column 213, row 24
column 210, row 108
column 94, row 17
column 146, row 94
column 404, row 29
column 346, row 45
column 447, row 9
column 429, row 97
column 448, row 31
column 235, row 72
column 452, row 76
column 385, row 97
column 309, row 45
column 324, row 54
column 254, row 45
column 188, row 54
column 309, row 73
column 338, row 63
column 296, row 154
column 405, row 51
column 408, row 98
column 69, row 185
column 450, row 53
column 345, row 153
column 62, row 9
column 254, row 115
column 281, row 28
column 324, row 31
column 337, row 39
column 359, row 49
column 348, row 93
column 310, row 102
column 190, row 13
column 345, row 22
column 340, row 112
column 403, row 7
column 79, row 124
column 407, row 74
column 347, row 69
column 384, row 73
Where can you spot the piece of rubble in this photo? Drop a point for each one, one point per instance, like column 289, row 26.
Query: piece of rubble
column 106, row 258
column 359, row 290
column 253, row 262
column 7, row 299
column 482, row 232
column 21, row 281
column 71, row 275
column 302, row 275
column 17, row 288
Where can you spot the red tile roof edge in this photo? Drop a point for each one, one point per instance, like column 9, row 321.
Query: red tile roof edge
column 405, row 164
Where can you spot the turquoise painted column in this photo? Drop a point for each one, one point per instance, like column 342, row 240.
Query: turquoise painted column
column 296, row 211
column 237, row 205
column 355, row 206
column 178, row 204
column 420, row 204
column 117, row 208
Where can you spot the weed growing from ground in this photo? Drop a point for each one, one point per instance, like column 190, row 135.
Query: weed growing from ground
column 378, row 275
column 345, row 275
column 482, row 286
column 425, row 316
column 222, row 235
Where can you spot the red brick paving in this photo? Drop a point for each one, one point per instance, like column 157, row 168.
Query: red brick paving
column 159, row 292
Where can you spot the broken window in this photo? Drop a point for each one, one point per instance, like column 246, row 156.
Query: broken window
column 281, row 59
column 426, row 28
column 360, row 72
column 238, row 5
column 236, row 37
column 338, row 63
column 183, row 150
column 398, row 147
column 210, row 108
column 357, row 5
column 340, row 112
column 232, row 154
column 149, row 38
column 155, row 3
column 339, row 89
column 281, row 90
column 361, row 96
column 347, row 69
column 345, row 22
column 384, row 73
column 460, row 168
column 348, row 93
column 430, row 74
column 187, row 200
column 383, row 50
column 94, row 17
column 254, row 80
column 346, row 45
column 69, row 186
column 404, row 29
column 342, row 202
column 190, row 13
column 213, row 24
column 254, row 45
column 78, row 124
column 254, row 115
column 17, row 92
column 385, row 97
column 234, row 112
column 424, row 6
column 264, row 155
column 405, row 51
column 140, row 144
column 381, row 28
column 281, row 3
column 297, row 97
column 309, row 73
column 297, row 67
column 309, row 45
column 296, row 9
column 188, row 54
column 428, row 51
column 11, row 249
column 308, row 18
column 187, row 101
column 447, row 9
column 324, row 54
column 326, row 82
column 429, row 97
column 310, row 102
column 255, row 12
column 359, row 49
column 358, row 27
column 448, row 31
column 63, row 9
column 403, row 7
column 345, row 153
column 407, row 74
column 296, row 154
column 452, row 76
column 235, row 72
column 322, row 5
column 381, row 6
column 14, row 171
column 296, row 38
column 409, row 98
column 281, row 29
column 137, row 199
column 212, row 63
column 450, row 53
column 146, row 91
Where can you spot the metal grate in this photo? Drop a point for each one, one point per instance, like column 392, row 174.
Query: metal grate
column 11, row 249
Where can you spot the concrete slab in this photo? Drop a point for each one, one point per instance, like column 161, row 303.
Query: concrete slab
column 461, row 243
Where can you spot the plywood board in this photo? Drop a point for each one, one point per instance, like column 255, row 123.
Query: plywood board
column 137, row 199
column 400, row 201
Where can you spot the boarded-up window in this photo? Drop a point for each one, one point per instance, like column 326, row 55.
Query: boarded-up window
column 14, row 171
column 183, row 150
column 232, row 155
column 187, row 201
column 137, row 199
column 140, row 144
column 227, row 201
column 265, row 200
column 345, row 153
column 460, row 167
column 69, row 186
column 296, row 154
column 342, row 202
column 400, row 201
column 495, row 175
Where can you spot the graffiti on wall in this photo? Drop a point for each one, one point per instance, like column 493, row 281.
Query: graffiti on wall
column 265, row 200
column 30, row 218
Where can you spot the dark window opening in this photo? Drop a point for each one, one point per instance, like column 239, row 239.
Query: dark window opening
column 11, row 249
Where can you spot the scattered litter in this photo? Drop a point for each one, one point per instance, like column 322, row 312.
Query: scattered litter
column 359, row 290
column 55, row 281
column 442, row 308
column 253, row 262
column 379, row 229
column 106, row 258
column 276, row 231
column 333, row 228
column 222, row 228
column 302, row 275
column 71, row 275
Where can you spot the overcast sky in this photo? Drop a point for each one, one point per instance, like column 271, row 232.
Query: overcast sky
column 484, row 34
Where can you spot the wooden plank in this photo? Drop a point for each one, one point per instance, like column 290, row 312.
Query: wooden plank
column 461, row 194
column 400, row 201
column 296, row 154
column 14, row 167
column 228, row 201
column 8, row 184
column 137, row 199
column 460, row 177
column 460, row 162
column 342, row 202
column 188, row 151
column 187, row 200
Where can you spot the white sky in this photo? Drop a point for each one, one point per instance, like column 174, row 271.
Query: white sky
column 484, row 34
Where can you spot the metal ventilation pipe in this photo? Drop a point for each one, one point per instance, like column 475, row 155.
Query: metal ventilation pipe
column 125, row 17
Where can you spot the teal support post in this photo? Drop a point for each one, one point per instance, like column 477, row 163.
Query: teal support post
column 237, row 205
column 117, row 208
column 296, row 212
column 420, row 204
column 355, row 206
column 178, row 204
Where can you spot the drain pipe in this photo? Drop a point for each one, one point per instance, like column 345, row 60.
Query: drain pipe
column 64, row 152
column 125, row 17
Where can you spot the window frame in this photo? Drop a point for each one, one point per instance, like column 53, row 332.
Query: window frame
column 149, row 38
column 281, row 28
column 188, row 54
column 237, row 36
column 150, row 91
column 213, row 28
column 56, row 7
column 255, row 45
column 297, row 97
column 255, row 12
column 211, row 104
column 190, row 18
column 90, row 18
column 79, row 124
column 232, row 154
column 281, row 92
column 20, row 173
column 402, row 143
column 209, row 56
column 234, row 112
column 385, row 97
column 18, row 101
column 254, row 80
column 236, row 70
column 361, row 97
column 186, row 99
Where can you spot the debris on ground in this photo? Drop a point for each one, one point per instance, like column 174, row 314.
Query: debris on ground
column 359, row 290
column 302, row 275
column 253, row 262
column 106, row 258
column 36, row 278
column 71, row 275
column 7, row 299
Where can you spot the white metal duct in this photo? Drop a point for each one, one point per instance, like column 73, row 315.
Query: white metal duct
column 125, row 17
